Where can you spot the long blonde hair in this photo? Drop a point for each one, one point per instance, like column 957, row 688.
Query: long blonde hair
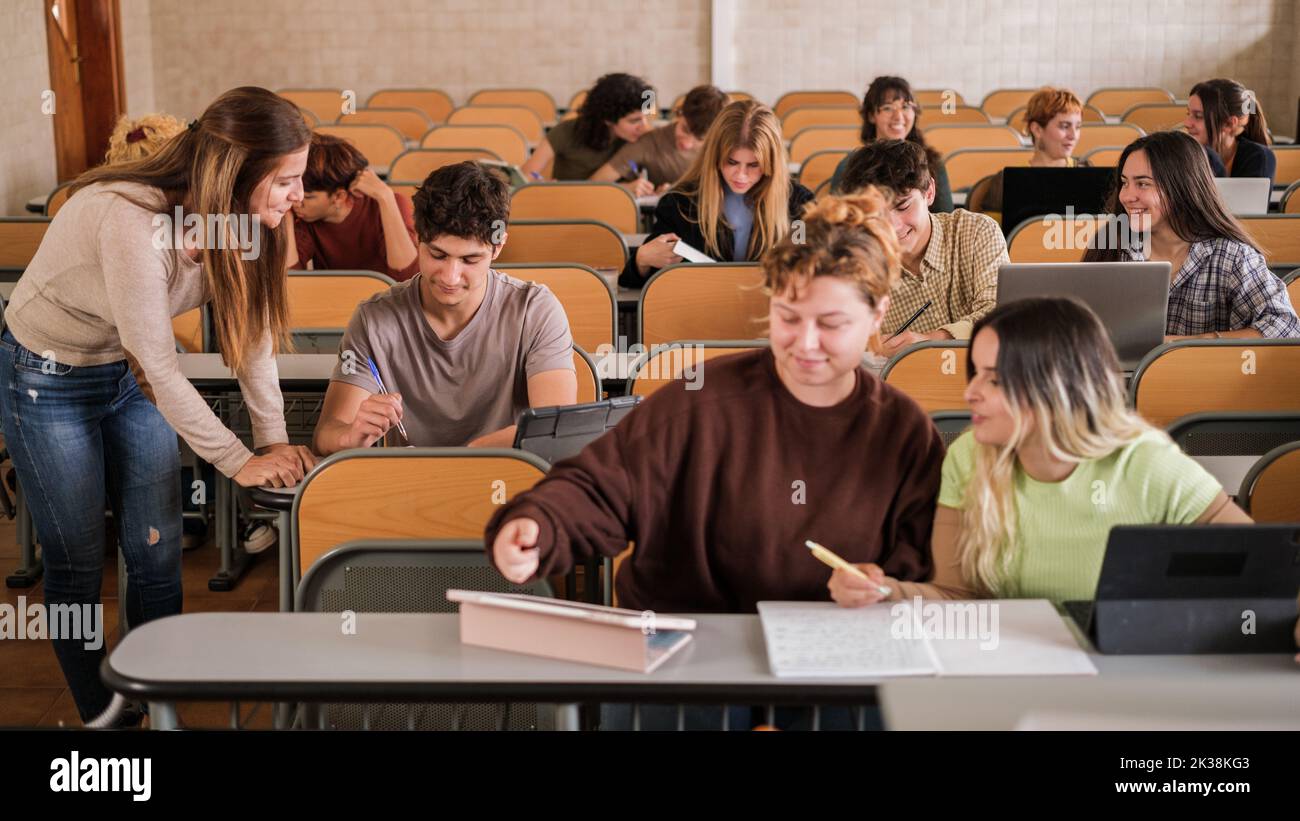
column 1055, row 365
column 211, row 168
column 742, row 124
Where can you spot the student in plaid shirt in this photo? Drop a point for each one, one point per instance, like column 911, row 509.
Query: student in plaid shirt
column 950, row 260
column 1221, row 287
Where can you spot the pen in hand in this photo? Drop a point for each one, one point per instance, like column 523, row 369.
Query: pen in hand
column 375, row 373
column 911, row 319
column 830, row 559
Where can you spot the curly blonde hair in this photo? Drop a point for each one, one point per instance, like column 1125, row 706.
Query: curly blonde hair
column 136, row 139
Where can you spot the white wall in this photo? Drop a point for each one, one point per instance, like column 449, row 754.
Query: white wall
column 27, row 164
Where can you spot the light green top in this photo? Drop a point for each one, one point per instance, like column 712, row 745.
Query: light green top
column 1063, row 526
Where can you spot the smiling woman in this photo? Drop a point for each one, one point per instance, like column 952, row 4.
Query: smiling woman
column 88, row 361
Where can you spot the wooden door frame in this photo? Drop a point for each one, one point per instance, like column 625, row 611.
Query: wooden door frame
column 87, row 77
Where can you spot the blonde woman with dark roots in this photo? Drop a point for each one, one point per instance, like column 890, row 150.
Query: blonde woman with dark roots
column 1052, row 461
column 736, row 201
column 91, row 393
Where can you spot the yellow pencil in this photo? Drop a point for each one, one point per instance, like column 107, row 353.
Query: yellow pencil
column 829, row 558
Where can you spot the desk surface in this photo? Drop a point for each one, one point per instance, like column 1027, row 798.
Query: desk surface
column 207, row 368
column 307, row 656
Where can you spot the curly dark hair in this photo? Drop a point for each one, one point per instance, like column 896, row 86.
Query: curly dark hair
column 895, row 165
column 332, row 163
column 463, row 200
column 883, row 91
column 612, row 98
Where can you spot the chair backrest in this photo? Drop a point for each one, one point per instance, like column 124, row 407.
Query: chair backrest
column 434, row 103
column 1290, row 203
column 588, row 376
column 588, row 300
column 822, row 190
column 1197, row 375
column 1234, row 433
column 603, row 201
column 542, row 103
column 418, row 163
column 951, row 424
column 402, row 576
column 932, row 373
column 380, row 143
column 1271, row 490
column 326, row 104
column 681, row 360
column 797, row 119
column 1292, row 281
column 521, row 118
column 1052, row 239
column 411, row 123
column 820, row 167
column 1115, row 101
column 19, row 239
column 937, row 96
column 970, row 165
column 1116, row 135
column 504, row 141
column 1103, row 157
column 702, row 301
column 799, row 99
column 576, row 101
column 1288, row 164
column 405, row 493
column 949, row 138
column 1152, row 117
column 1278, row 236
column 187, row 329
column 1019, row 119
column 975, row 199
column 57, row 198
column 953, row 115
column 824, row 138
column 586, row 242
column 324, row 301
column 1000, row 103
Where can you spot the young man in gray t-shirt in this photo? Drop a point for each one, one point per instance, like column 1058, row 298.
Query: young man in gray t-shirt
column 461, row 348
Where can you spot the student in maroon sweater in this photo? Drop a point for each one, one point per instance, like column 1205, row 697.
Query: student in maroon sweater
column 348, row 218
column 719, row 487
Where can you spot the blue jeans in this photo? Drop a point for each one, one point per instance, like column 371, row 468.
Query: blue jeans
column 83, row 439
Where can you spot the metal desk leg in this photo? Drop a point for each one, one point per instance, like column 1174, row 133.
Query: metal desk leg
column 566, row 717
column 234, row 561
column 30, row 568
column 283, row 710
column 162, row 716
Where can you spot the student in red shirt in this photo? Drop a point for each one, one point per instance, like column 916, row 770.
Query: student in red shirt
column 348, row 218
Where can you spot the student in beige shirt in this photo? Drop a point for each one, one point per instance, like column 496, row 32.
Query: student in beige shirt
column 463, row 349
column 91, row 393
column 660, row 158
column 950, row 260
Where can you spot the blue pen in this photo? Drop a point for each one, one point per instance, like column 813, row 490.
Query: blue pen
column 535, row 175
column 375, row 373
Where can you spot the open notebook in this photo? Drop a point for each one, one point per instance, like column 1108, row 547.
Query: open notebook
column 1008, row 637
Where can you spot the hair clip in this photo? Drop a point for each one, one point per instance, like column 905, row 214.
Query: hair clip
column 194, row 125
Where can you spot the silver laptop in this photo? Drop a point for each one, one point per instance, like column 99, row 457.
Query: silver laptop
column 1244, row 195
column 1130, row 298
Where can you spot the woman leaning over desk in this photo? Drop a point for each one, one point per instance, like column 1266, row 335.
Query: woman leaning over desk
column 91, row 392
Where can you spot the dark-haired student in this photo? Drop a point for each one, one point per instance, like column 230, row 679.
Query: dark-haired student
column 890, row 112
column 92, row 396
column 719, row 486
column 463, row 348
column 1226, row 118
column 349, row 219
column 666, row 153
column 950, row 260
column 1031, row 491
column 618, row 110
column 1220, row 285
column 736, row 201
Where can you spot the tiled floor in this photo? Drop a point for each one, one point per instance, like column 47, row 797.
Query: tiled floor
column 32, row 690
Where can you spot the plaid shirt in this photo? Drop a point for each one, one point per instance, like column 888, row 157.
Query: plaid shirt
column 1225, row 285
column 959, row 274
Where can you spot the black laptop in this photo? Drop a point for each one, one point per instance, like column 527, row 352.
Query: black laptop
column 1036, row 192
column 1195, row 589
